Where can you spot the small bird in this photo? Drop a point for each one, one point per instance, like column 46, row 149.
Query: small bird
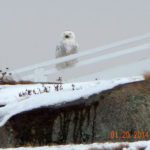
column 67, row 46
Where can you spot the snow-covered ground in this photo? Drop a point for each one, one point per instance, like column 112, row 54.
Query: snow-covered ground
column 9, row 95
column 145, row 145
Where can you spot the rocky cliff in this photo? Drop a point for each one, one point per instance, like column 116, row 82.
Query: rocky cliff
column 119, row 114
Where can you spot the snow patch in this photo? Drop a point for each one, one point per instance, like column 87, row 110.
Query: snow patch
column 100, row 146
column 15, row 104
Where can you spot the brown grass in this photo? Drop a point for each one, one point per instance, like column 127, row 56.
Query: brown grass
column 147, row 76
column 25, row 82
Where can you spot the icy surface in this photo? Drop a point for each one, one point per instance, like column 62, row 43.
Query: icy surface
column 99, row 146
column 9, row 95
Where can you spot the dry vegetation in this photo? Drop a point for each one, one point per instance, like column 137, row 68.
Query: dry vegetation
column 6, row 77
column 147, row 76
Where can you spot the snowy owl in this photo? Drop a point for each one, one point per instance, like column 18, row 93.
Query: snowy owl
column 67, row 46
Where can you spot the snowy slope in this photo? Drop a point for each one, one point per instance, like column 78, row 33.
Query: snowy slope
column 99, row 146
column 15, row 104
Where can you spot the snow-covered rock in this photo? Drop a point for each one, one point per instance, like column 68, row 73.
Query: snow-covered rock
column 9, row 95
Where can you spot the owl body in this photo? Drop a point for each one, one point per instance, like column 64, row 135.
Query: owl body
column 67, row 46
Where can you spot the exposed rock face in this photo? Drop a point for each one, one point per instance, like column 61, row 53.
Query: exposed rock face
column 6, row 136
column 123, row 108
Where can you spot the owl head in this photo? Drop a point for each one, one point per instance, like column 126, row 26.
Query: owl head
column 68, row 35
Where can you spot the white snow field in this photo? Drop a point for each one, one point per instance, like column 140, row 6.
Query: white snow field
column 144, row 145
column 9, row 95
column 120, row 56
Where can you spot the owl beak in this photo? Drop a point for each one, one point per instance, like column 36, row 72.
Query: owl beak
column 66, row 36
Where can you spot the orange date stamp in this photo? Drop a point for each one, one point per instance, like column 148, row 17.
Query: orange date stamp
column 128, row 135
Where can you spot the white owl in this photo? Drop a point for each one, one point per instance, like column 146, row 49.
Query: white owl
column 67, row 46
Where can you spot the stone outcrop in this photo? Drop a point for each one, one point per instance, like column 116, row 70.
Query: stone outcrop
column 122, row 110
